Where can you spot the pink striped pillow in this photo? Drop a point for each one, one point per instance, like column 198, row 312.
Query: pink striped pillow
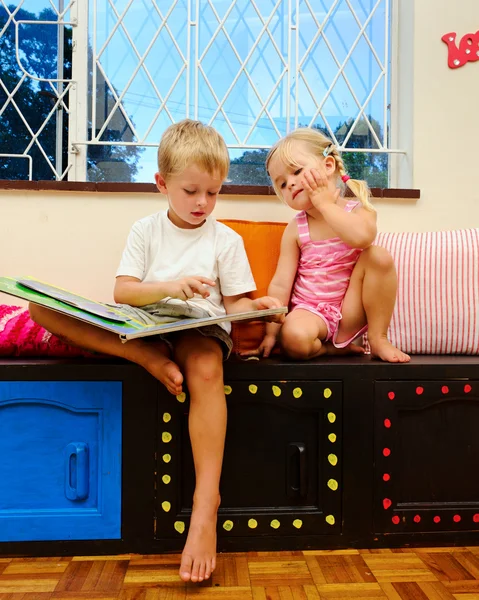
column 437, row 308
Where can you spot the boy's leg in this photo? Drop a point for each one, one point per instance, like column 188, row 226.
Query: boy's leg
column 153, row 356
column 370, row 299
column 201, row 360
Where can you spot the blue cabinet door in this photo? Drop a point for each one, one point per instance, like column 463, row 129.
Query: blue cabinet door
column 60, row 460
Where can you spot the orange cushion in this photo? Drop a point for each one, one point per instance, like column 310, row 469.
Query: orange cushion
column 262, row 241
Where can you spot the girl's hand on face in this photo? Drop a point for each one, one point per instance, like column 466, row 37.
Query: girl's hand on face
column 321, row 190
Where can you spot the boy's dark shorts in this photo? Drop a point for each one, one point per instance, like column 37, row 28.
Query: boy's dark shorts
column 214, row 331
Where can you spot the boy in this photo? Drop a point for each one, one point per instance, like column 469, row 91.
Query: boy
column 183, row 254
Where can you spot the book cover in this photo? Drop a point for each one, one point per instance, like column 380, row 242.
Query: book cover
column 177, row 315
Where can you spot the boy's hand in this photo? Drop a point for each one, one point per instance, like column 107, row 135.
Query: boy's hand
column 321, row 190
column 186, row 288
column 264, row 349
column 269, row 302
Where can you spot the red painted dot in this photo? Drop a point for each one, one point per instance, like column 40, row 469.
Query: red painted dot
column 437, row 519
column 387, row 423
column 445, row 389
column 467, row 388
column 395, row 519
column 391, row 395
column 456, row 518
column 475, row 518
column 386, row 503
column 419, row 390
column 386, row 477
column 386, row 451
column 417, row 518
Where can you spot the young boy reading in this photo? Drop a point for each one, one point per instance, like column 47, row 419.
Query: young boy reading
column 183, row 253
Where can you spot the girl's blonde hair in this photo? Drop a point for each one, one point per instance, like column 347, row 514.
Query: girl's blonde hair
column 320, row 146
column 190, row 142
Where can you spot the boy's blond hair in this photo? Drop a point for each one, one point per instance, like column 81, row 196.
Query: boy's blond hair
column 190, row 142
column 320, row 146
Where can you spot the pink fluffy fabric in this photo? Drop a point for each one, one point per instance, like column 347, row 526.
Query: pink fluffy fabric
column 20, row 336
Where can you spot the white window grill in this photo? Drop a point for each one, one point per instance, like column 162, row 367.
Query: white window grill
column 254, row 69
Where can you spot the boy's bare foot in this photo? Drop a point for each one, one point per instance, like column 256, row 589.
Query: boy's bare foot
column 165, row 370
column 198, row 560
column 383, row 349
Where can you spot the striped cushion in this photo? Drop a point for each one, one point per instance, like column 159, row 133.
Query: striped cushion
column 437, row 308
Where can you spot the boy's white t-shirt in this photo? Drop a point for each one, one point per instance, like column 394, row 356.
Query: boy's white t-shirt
column 158, row 250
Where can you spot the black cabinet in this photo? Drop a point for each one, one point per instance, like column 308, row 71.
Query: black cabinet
column 338, row 452
column 282, row 470
column 426, row 456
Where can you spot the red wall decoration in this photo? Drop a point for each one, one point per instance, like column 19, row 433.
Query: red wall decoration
column 466, row 51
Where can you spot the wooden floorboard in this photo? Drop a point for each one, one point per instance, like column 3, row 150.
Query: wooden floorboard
column 387, row 574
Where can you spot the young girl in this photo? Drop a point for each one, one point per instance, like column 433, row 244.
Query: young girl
column 183, row 253
column 338, row 285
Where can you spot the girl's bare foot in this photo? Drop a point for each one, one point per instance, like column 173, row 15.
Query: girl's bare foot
column 382, row 348
column 329, row 348
column 198, row 560
column 349, row 349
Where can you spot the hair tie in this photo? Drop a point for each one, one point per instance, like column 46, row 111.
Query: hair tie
column 345, row 178
column 327, row 151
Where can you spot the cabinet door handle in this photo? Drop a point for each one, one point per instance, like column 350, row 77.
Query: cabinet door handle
column 297, row 469
column 77, row 471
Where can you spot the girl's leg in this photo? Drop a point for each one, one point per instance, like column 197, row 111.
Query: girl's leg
column 301, row 335
column 370, row 299
column 201, row 360
column 153, row 356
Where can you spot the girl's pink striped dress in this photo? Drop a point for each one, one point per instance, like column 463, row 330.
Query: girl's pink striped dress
column 323, row 275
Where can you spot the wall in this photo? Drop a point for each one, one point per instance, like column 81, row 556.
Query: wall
column 75, row 240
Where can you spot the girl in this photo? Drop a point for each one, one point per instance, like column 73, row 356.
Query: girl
column 337, row 283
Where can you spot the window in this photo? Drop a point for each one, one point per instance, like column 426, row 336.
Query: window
column 87, row 88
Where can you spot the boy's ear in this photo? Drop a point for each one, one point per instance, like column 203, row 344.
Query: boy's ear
column 161, row 183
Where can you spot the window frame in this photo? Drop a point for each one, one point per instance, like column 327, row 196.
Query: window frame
column 400, row 65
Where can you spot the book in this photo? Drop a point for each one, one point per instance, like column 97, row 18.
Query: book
column 174, row 314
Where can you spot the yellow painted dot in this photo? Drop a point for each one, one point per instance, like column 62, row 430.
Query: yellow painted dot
column 333, row 459
column 166, row 506
column 253, row 389
column 297, row 523
column 331, row 417
column 330, row 519
column 228, row 390
column 275, row 523
column 297, row 392
column 276, row 390
column 166, row 437
column 332, row 437
column 228, row 525
column 181, row 397
column 327, row 393
column 166, row 479
column 166, row 417
column 166, row 458
column 179, row 526
column 252, row 523
column 333, row 484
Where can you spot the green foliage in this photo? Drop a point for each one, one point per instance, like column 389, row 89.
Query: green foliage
column 249, row 169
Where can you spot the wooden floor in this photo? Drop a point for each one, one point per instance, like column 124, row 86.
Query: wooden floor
column 434, row 573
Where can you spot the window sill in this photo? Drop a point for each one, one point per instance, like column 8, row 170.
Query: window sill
column 138, row 188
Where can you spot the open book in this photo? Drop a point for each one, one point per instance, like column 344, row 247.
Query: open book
column 174, row 315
